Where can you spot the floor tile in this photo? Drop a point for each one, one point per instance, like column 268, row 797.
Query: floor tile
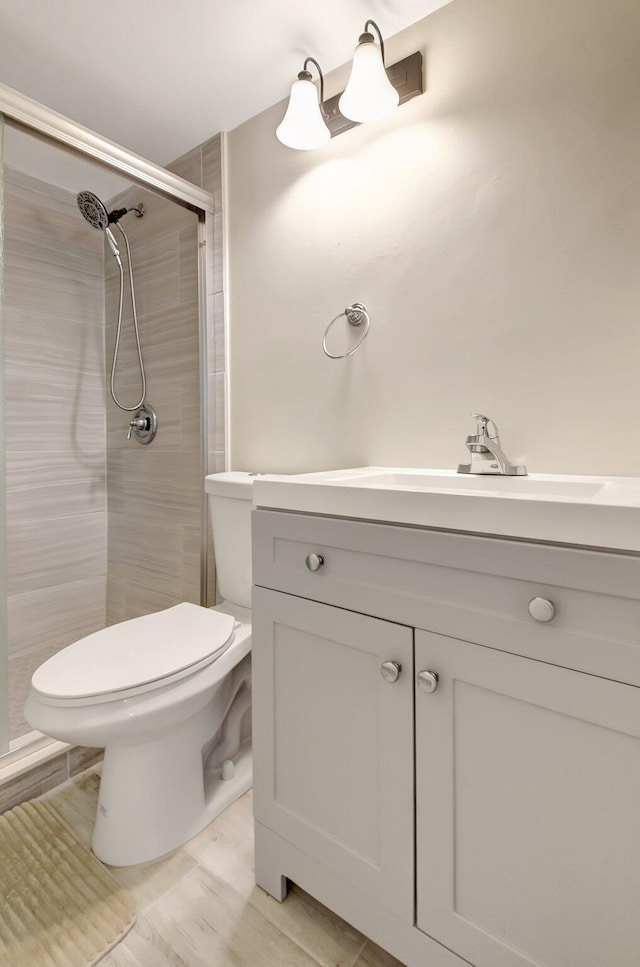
column 374, row 956
column 76, row 802
column 225, row 847
column 320, row 933
column 150, row 882
column 205, row 923
column 200, row 907
column 119, row 957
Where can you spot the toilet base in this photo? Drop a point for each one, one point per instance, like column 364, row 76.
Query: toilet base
column 155, row 796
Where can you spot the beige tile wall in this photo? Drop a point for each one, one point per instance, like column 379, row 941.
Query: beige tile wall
column 154, row 492
column 203, row 166
column 65, row 468
column 53, row 313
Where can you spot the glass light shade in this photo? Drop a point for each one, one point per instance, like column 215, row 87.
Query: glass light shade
column 369, row 95
column 303, row 126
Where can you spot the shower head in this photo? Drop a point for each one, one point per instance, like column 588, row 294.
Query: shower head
column 97, row 215
column 96, row 212
column 93, row 210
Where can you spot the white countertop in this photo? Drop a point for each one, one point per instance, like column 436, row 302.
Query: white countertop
column 601, row 512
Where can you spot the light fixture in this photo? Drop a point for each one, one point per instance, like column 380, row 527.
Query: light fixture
column 303, row 126
column 369, row 95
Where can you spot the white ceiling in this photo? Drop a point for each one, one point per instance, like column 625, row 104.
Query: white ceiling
column 161, row 76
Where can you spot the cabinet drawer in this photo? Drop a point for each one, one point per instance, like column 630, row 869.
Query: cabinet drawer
column 474, row 588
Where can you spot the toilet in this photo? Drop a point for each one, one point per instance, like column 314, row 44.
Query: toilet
column 168, row 697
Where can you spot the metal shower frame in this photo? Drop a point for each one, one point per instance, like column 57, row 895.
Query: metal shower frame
column 29, row 115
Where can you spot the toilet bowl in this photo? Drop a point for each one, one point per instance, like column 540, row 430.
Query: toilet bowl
column 168, row 697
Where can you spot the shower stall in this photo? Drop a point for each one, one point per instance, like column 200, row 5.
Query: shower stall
column 103, row 387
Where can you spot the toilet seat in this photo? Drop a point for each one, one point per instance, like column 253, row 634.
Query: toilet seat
column 134, row 656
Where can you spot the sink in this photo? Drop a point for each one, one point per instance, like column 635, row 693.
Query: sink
column 533, row 486
column 602, row 512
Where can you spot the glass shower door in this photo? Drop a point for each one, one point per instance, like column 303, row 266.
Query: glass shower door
column 4, row 667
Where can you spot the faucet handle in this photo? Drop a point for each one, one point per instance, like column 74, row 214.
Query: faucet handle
column 482, row 426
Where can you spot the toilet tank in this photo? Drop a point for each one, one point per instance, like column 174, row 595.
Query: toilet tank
column 231, row 503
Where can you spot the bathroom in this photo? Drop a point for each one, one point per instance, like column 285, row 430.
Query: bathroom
column 487, row 226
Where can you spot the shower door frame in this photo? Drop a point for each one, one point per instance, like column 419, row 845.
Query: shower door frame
column 28, row 115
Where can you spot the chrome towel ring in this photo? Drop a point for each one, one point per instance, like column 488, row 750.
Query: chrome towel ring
column 356, row 315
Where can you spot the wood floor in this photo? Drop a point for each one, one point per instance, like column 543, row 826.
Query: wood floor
column 200, row 907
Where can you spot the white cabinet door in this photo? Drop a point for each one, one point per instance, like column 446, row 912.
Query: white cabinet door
column 528, row 810
column 333, row 742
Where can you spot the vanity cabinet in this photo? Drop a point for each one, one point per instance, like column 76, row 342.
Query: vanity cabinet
column 333, row 749
column 482, row 807
column 527, row 806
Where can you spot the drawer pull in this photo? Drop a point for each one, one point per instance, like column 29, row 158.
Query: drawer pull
column 428, row 681
column 314, row 561
column 390, row 671
column 541, row 609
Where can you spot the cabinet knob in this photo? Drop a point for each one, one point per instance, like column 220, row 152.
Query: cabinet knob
column 390, row 671
column 541, row 609
column 314, row 561
column 428, row 681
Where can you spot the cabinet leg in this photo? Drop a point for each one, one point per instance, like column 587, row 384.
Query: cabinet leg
column 275, row 885
column 268, row 866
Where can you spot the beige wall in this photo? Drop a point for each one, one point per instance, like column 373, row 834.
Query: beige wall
column 52, row 317
column 491, row 226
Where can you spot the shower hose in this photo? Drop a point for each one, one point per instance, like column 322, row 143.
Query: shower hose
column 114, row 364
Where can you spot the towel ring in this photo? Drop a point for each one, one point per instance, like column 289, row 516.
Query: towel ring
column 356, row 315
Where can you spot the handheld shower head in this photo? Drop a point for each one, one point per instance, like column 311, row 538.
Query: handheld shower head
column 93, row 210
column 113, row 244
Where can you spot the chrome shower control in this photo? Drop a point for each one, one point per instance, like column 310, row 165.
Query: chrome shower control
column 390, row 671
column 428, row 681
column 541, row 609
column 314, row 561
column 144, row 425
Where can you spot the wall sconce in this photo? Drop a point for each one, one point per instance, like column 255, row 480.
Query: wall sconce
column 303, row 126
column 372, row 92
column 369, row 94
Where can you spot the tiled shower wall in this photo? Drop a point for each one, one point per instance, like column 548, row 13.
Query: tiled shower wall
column 155, row 492
column 203, row 167
column 58, row 455
column 53, row 316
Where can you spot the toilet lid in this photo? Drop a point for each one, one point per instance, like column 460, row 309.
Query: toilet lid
column 135, row 652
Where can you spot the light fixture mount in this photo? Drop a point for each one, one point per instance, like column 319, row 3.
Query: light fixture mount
column 305, row 75
column 368, row 38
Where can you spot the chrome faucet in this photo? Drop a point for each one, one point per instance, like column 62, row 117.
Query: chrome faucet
column 487, row 455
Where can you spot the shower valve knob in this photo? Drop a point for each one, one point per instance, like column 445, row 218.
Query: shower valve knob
column 141, row 423
column 144, row 425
